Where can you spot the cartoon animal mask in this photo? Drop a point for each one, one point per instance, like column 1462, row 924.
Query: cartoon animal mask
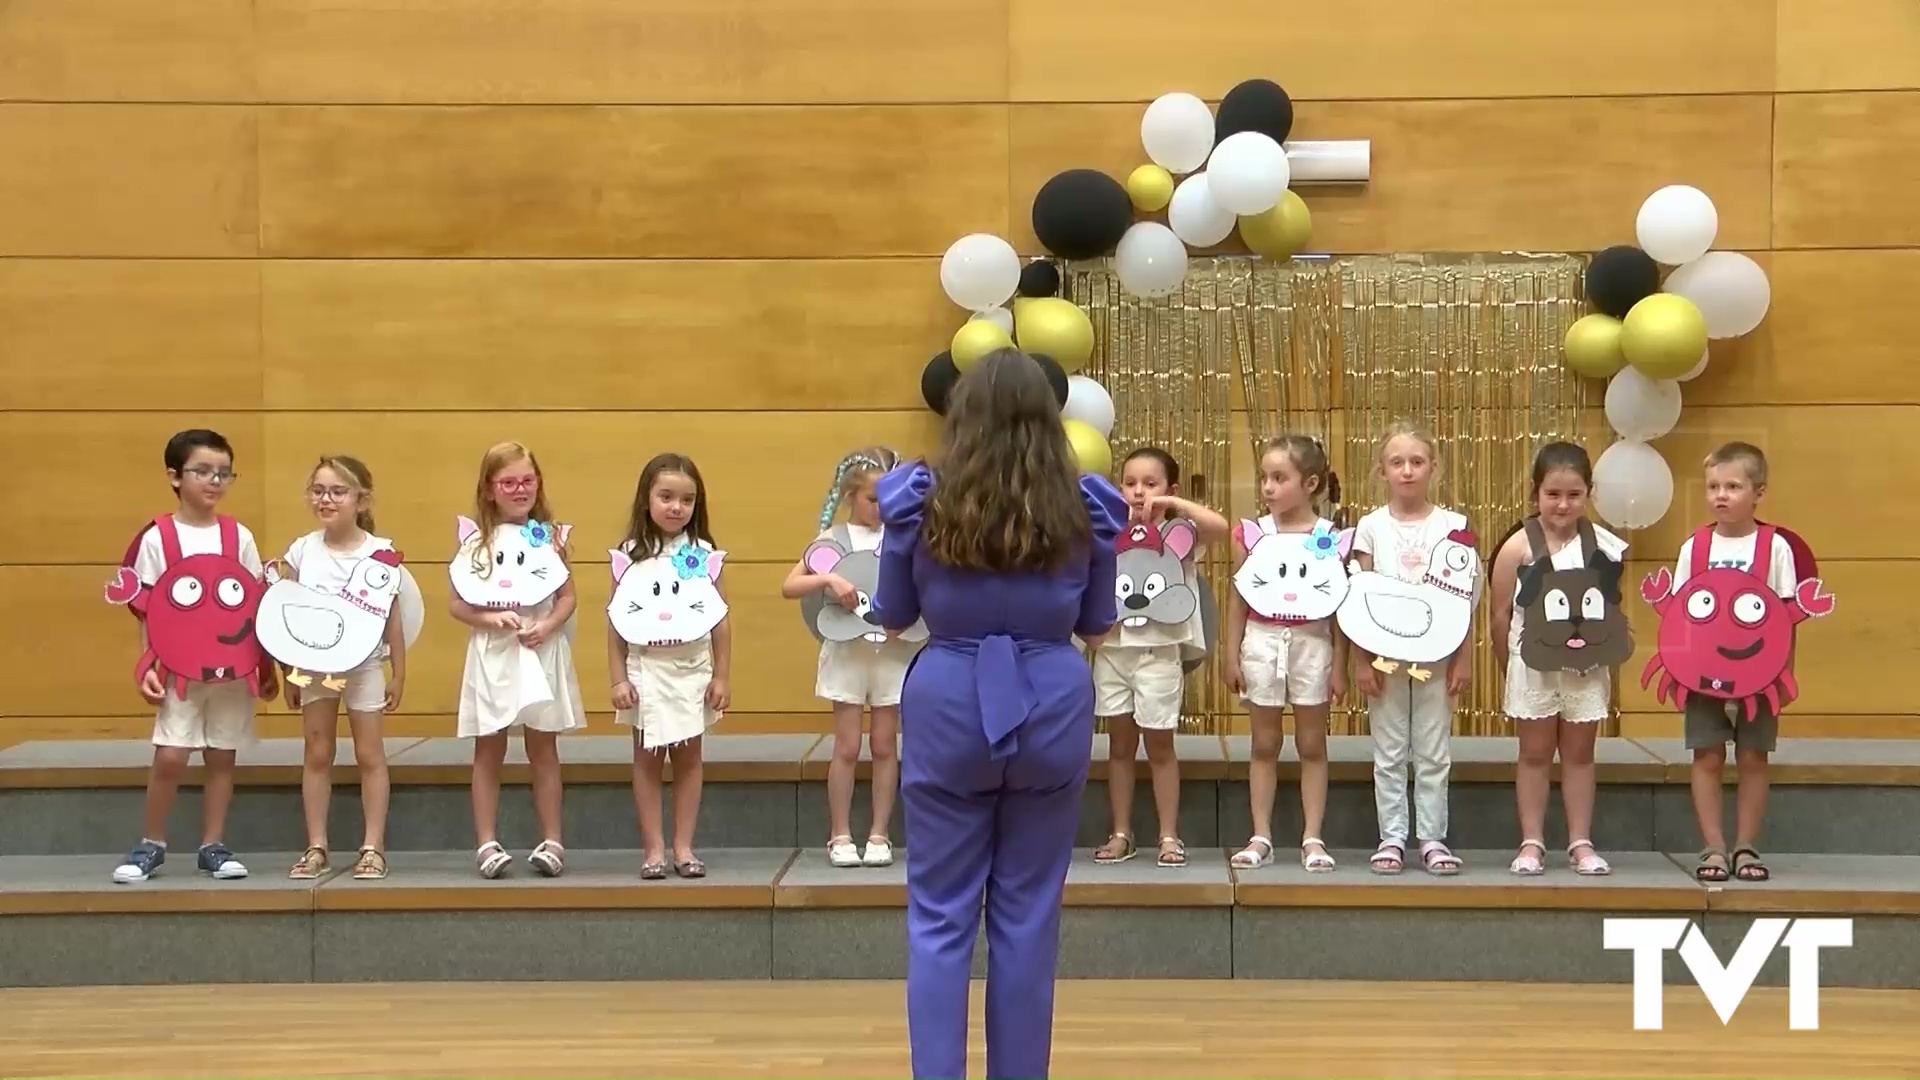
column 1573, row 619
column 336, row 632
column 1293, row 577
column 1150, row 581
column 1420, row 622
column 200, row 614
column 525, row 567
column 1725, row 633
column 826, row 619
column 669, row 599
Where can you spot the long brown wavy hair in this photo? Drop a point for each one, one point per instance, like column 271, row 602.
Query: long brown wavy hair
column 1007, row 497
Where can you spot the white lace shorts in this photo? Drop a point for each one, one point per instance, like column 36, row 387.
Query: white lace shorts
column 1570, row 695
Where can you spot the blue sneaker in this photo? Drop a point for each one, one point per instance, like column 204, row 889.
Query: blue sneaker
column 215, row 859
column 142, row 863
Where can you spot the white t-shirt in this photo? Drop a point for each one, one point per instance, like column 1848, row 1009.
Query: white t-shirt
column 151, row 561
column 1402, row 549
column 863, row 538
column 1736, row 552
column 322, row 568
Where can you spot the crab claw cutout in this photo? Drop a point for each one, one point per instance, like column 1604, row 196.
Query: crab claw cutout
column 1812, row 599
column 1657, row 586
column 124, row 587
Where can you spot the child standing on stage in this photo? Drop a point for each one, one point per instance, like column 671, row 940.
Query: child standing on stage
column 1412, row 719
column 340, row 492
column 859, row 674
column 1273, row 664
column 215, row 718
column 672, row 690
column 519, row 670
column 1138, row 672
column 1562, row 709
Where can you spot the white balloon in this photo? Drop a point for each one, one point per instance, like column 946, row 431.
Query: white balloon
column 999, row 316
column 1195, row 216
column 1151, row 260
column 1089, row 403
column 1632, row 485
column 1677, row 224
column 1696, row 370
column 1249, row 172
column 1177, row 132
column 1639, row 408
column 1730, row 290
column 980, row 271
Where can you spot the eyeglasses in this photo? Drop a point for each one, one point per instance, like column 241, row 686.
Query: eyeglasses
column 206, row 474
column 524, row 483
column 320, row 494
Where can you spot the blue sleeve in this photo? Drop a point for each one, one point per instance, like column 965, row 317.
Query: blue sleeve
column 1108, row 510
column 903, row 501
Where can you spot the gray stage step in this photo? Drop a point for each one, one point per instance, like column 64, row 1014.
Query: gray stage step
column 780, row 913
column 1831, row 796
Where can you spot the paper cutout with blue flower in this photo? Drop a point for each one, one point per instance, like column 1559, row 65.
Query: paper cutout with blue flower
column 668, row 599
column 1292, row 577
column 536, row 534
column 690, row 562
column 519, row 566
column 1323, row 542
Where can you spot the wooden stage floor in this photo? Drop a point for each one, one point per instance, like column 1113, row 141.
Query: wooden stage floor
column 1216, row 1028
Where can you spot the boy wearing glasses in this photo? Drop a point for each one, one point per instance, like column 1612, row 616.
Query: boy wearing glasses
column 213, row 717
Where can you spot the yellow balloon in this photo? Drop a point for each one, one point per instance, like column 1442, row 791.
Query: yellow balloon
column 1150, row 187
column 975, row 339
column 1663, row 336
column 1593, row 347
column 1279, row 233
column 1053, row 327
column 1090, row 449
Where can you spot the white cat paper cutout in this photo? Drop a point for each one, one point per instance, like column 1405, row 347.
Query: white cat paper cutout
column 329, row 633
column 1293, row 577
column 1415, row 623
column 525, row 567
column 669, row 599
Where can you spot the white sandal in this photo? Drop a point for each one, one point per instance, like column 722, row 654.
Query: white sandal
column 1439, row 860
column 879, row 852
column 1388, row 859
column 1257, row 853
column 1590, row 866
column 549, row 858
column 1315, row 863
column 842, row 853
column 491, row 860
column 1527, row 865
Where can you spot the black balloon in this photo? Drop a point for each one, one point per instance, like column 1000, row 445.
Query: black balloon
column 1039, row 279
column 1056, row 375
column 936, row 382
column 1619, row 278
column 1081, row 214
column 1255, row 105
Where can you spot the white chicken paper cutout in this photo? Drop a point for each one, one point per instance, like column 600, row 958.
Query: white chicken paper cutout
column 525, row 567
column 331, row 633
column 669, row 599
column 1414, row 622
column 1293, row 577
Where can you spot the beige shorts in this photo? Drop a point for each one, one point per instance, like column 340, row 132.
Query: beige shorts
column 1285, row 666
column 862, row 673
column 671, row 682
column 366, row 690
column 1141, row 681
column 214, row 716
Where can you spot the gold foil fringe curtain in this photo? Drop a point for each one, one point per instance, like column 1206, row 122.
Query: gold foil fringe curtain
column 1339, row 349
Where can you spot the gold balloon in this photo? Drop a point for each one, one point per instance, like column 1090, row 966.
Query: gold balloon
column 1090, row 449
column 1053, row 327
column 1593, row 347
column 1663, row 336
column 1279, row 233
column 1150, row 187
column 975, row 339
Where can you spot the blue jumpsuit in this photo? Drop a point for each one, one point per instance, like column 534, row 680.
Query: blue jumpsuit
column 997, row 732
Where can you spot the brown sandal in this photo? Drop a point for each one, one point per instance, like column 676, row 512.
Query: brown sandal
column 1118, row 849
column 372, row 865
column 1173, row 853
column 312, row 864
column 1712, row 866
column 1747, row 865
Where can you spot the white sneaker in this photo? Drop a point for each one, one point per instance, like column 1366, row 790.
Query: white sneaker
column 879, row 852
column 842, row 852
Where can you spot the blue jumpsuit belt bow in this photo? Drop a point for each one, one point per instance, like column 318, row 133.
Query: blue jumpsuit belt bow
column 1000, row 680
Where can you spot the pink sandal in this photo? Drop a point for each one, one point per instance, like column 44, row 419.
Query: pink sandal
column 1590, row 864
column 1388, row 859
column 1438, row 859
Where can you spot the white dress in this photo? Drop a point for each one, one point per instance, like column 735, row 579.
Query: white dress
column 508, row 685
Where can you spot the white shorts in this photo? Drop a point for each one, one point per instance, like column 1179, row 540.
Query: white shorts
column 366, row 688
column 671, row 682
column 215, row 716
column 1570, row 695
column 1141, row 681
column 862, row 673
column 1285, row 665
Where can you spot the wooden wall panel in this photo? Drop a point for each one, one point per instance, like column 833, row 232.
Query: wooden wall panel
column 110, row 50
column 766, row 473
column 666, row 182
column 1559, row 174
column 106, row 475
column 127, row 180
column 1845, row 169
column 1856, row 45
column 665, row 51
column 648, row 335
column 1136, row 50
column 129, row 334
